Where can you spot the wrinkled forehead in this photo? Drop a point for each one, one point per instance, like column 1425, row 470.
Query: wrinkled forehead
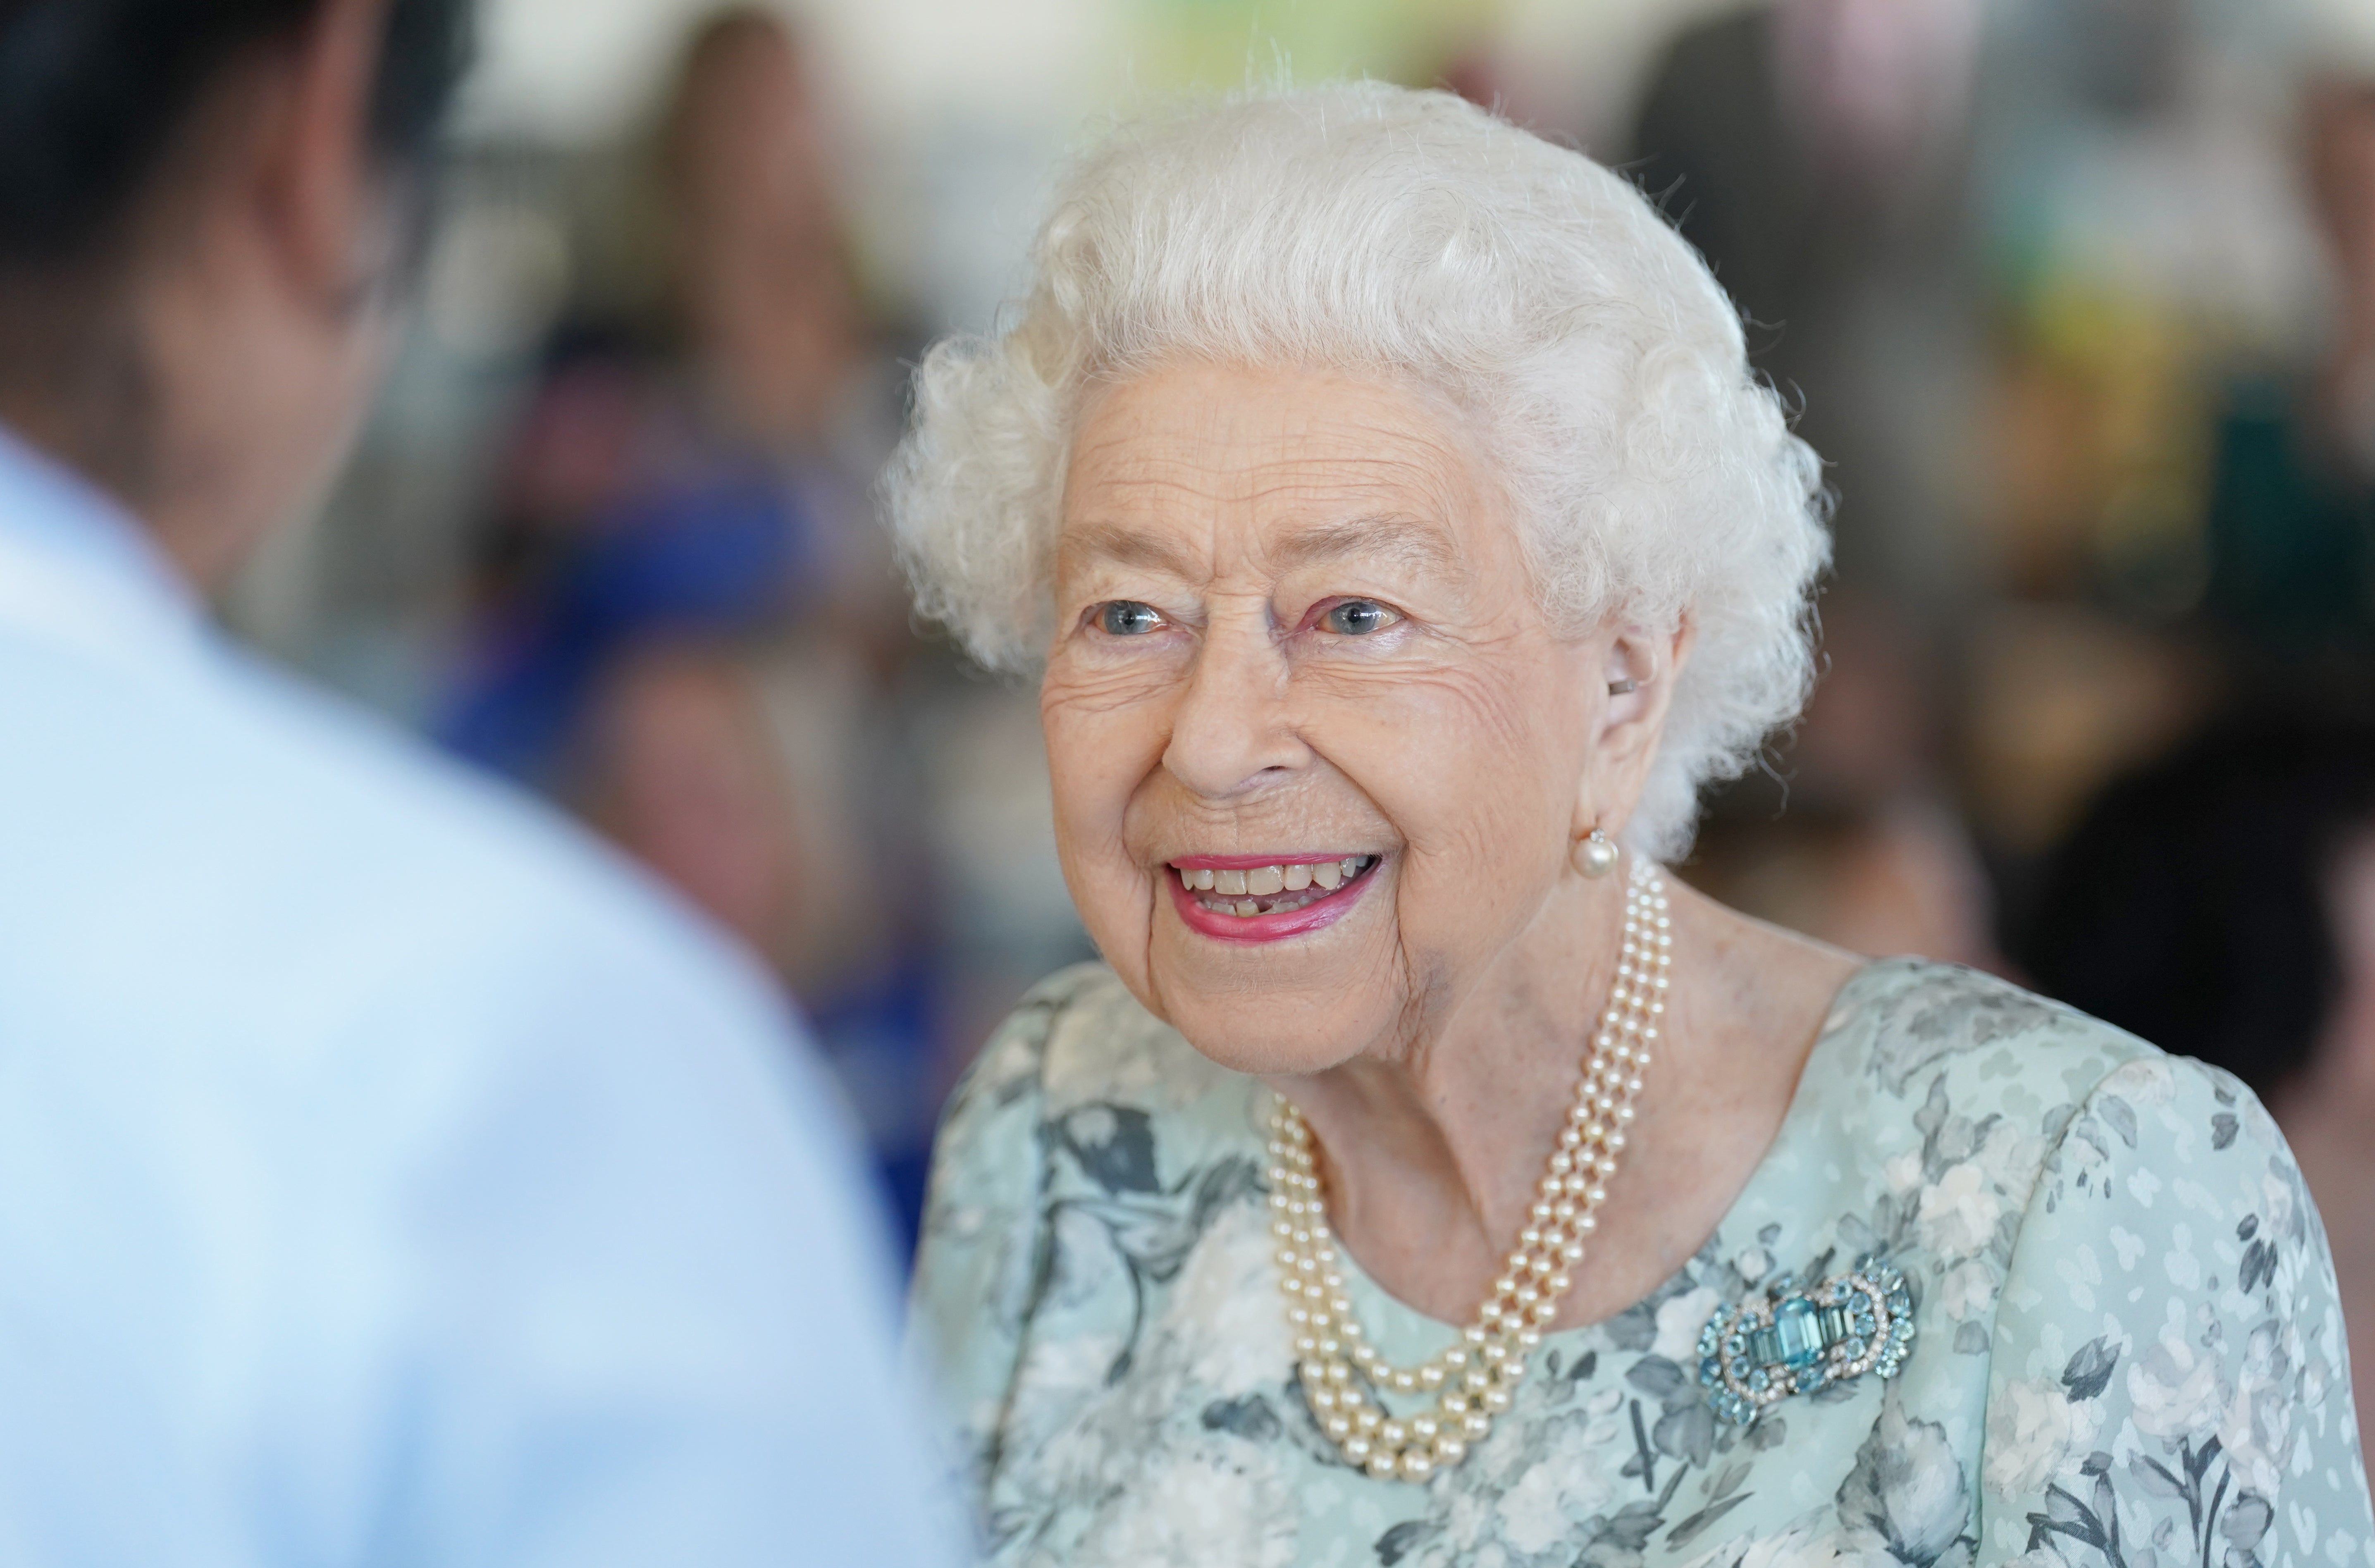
column 1293, row 465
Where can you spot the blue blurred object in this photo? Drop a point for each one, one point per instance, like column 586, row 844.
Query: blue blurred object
column 719, row 551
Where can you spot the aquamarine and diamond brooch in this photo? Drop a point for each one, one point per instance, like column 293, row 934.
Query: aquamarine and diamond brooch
column 1795, row 1341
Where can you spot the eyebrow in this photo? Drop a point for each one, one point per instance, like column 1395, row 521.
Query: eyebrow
column 1406, row 540
column 1126, row 546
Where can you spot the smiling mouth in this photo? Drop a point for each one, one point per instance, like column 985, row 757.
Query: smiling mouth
column 1281, row 889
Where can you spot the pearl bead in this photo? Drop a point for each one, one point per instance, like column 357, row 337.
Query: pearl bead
column 1487, row 1362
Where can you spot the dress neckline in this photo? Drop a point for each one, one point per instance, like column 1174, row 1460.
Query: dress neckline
column 1406, row 1335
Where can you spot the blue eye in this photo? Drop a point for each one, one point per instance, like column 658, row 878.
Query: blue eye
column 1357, row 617
column 1128, row 617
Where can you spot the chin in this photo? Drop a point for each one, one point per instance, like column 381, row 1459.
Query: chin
column 1287, row 1008
column 1293, row 1040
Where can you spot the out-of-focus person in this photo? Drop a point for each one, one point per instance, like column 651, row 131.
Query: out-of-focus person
column 2292, row 515
column 386, row 1175
column 699, row 468
column 1852, row 836
column 1818, row 153
column 2223, row 900
column 688, row 627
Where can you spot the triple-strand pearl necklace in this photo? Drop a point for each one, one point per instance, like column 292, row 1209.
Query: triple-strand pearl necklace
column 1473, row 1380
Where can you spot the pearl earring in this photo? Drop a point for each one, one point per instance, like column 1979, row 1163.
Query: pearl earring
column 1595, row 854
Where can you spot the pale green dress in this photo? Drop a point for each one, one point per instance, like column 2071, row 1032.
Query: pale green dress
column 2129, row 1355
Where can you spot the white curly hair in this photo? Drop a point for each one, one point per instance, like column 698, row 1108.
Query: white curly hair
column 1409, row 236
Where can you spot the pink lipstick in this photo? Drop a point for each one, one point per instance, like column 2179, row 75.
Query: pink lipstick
column 1265, row 898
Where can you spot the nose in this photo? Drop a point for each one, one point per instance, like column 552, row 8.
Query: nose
column 1233, row 731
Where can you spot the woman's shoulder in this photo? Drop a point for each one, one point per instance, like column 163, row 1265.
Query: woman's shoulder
column 1963, row 1060
column 1904, row 1025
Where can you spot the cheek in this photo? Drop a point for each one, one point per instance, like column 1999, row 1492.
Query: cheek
column 1104, row 738
column 1477, row 768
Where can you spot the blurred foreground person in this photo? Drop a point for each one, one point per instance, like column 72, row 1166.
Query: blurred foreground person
column 385, row 1176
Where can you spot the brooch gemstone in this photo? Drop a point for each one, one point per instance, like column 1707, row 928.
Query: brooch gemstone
column 1798, row 1340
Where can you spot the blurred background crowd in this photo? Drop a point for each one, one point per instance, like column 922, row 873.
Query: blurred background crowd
column 2076, row 297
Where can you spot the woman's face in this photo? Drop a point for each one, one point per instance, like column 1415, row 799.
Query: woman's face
column 1319, row 758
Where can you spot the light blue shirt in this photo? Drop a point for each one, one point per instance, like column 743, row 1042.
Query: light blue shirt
column 386, row 1174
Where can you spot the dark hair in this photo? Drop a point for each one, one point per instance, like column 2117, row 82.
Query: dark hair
column 2189, row 906
column 93, row 93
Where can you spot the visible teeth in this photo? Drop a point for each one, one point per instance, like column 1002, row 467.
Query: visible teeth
column 1272, row 889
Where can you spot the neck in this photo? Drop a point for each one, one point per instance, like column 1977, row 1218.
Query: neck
column 75, row 383
column 1434, row 1144
column 1429, row 1153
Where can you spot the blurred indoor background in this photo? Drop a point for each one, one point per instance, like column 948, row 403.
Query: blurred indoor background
column 2076, row 296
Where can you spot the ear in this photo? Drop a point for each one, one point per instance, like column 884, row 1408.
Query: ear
column 1632, row 690
column 318, row 192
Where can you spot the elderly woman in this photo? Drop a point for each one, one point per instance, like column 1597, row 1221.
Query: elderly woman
column 1427, row 1177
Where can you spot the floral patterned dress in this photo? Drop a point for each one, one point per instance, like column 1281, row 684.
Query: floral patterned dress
column 2129, row 1352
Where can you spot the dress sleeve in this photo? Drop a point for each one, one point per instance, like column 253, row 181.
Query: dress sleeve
column 979, row 1260
column 2169, row 1382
